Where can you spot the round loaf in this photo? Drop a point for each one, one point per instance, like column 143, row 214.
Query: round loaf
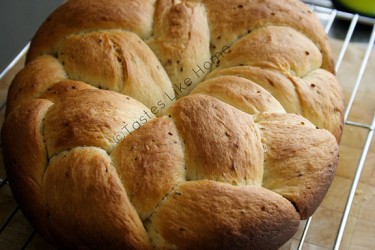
column 141, row 124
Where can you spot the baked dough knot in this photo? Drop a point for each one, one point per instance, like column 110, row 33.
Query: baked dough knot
column 173, row 124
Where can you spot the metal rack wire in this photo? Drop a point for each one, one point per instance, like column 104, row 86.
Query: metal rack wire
column 328, row 16
column 354, row 20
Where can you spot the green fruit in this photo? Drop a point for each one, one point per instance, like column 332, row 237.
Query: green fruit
column 362, row 6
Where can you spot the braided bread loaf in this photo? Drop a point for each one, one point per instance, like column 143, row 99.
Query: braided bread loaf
column 172, row 124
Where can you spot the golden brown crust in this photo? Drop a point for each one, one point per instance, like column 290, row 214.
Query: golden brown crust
column 211, row 215
column 322, row 100
column 275, row 82
column 119, row 61
column 92, row 58
column 92, row 118
column 226, row 169
column 181, row 41
column 221, row 143
column 57, row 92
column 231, row 19
column 317, row 96
column 150, row 162
column 299, row 167
column 240, row 93
column 26, row 159
column 98, row 212
column 275, row 47
column 33, row 80
column 86, row 15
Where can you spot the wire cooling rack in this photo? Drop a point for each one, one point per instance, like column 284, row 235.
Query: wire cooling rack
column 354, row 22
column 16, row 233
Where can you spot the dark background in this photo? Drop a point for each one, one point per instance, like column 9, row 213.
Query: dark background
column 19, row 20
